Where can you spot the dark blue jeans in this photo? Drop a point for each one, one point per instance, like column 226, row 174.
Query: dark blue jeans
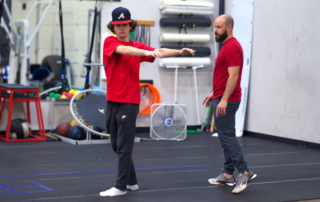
column 227, row 135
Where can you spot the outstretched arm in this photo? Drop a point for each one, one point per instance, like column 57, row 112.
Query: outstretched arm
column 172, row 52
column 131, row 51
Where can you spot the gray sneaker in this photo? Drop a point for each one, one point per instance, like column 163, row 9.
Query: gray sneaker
column 222, row 180
column 243, row 181
column 252, row 175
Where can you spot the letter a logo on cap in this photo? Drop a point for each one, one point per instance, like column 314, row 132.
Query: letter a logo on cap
column 121, row 16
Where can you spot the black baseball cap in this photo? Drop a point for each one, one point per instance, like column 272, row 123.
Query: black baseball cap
column 121, row 15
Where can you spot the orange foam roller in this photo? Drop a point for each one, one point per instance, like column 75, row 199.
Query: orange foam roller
column 156, row 98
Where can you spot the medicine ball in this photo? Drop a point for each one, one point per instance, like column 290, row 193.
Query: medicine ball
column 73, row 122
column 77, row 133
column 63, row 129
column 20, row 129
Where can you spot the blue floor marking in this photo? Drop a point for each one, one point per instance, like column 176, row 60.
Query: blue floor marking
column 12, row 190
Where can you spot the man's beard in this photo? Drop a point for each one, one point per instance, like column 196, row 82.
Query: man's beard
column 221, row 37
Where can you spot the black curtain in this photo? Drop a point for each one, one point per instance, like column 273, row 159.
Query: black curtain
column 221, row 12
column 4, row 42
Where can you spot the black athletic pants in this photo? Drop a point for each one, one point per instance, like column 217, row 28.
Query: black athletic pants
column 121, row 125
column 227, row 135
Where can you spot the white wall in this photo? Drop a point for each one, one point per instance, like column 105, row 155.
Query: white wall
column 285, row 75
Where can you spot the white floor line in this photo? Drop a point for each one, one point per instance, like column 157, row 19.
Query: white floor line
column 252, row 144
column 72, row 163
column 284, row 181
column 186, row 147
column 196, row 157
column 272, row 153
column 165, row 172
column 110, row 175
column 97, row 195
column 174, row 189
column 285, row 165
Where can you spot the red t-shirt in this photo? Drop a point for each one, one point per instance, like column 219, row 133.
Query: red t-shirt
column 230, row 55
column 122, row 71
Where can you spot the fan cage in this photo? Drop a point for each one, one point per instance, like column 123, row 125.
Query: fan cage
column 168, row 121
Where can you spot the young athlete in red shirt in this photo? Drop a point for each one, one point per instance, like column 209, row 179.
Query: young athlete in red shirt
column 122, row 58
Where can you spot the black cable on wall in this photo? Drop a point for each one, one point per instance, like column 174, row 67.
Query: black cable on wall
column 221, row 12
column 4, row 40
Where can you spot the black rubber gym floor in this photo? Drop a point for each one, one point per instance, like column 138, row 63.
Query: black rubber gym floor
column 168, row 171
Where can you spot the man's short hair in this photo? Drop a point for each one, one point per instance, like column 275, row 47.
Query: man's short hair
column 229, row 21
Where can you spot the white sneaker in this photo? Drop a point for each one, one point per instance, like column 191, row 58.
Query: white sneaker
column 113, row 192
column 133, row 187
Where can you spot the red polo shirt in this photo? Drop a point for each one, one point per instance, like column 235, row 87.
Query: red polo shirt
column 122, row 71
column 230, row 55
